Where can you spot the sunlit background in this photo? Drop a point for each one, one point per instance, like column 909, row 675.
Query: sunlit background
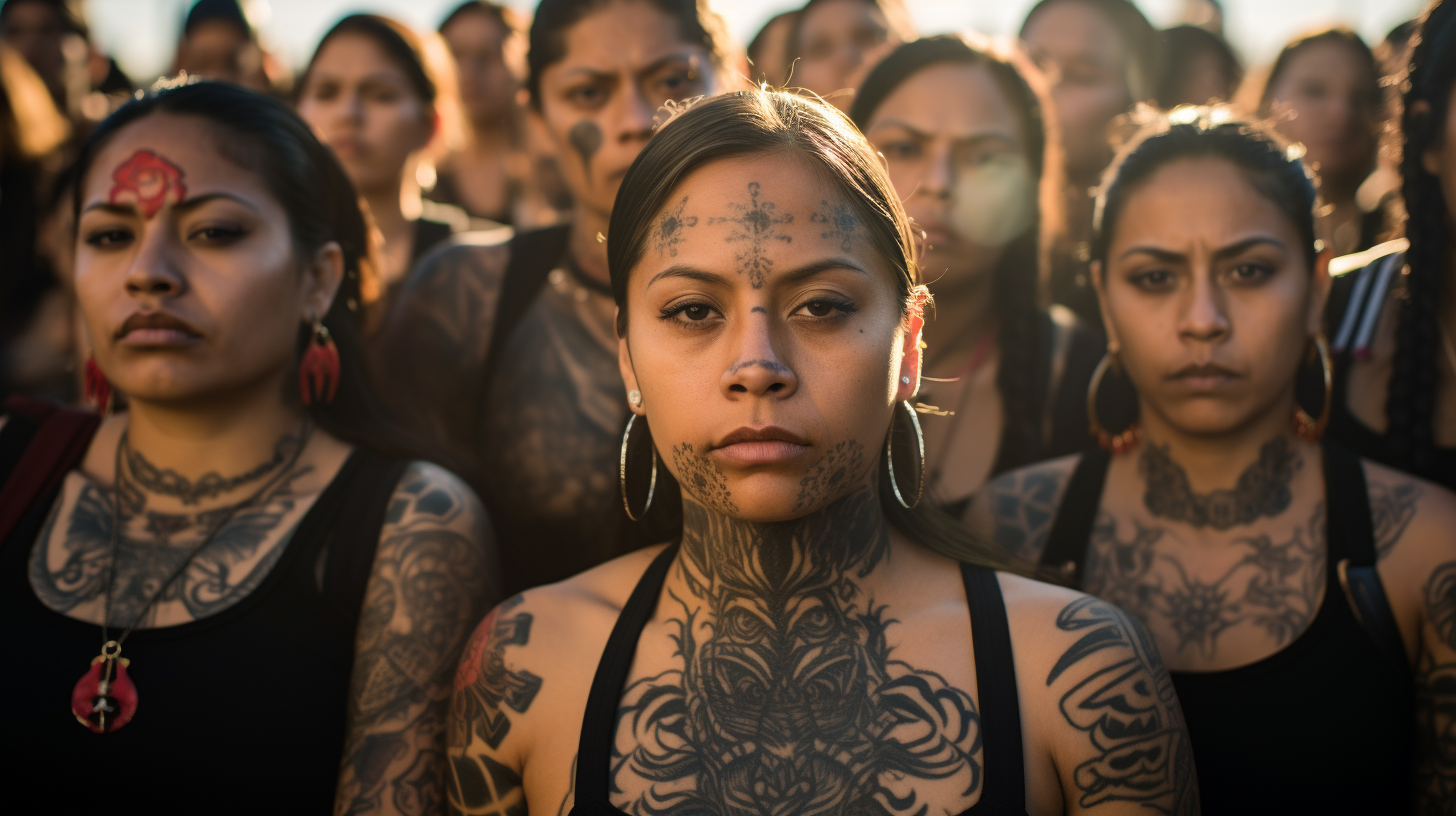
column 141, row 34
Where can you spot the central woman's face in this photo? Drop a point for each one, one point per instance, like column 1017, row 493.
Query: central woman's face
column 185, row 267
column 768, row 339
column 956, row 152
column 1209, row 293
column 836, row 37
column 363, row 106
column 622, row 63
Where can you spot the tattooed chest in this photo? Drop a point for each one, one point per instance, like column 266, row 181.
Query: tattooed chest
column 1211, row 606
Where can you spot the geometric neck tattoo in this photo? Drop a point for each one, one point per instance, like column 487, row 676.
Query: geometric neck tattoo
column 167, row 482
column 1262, row 490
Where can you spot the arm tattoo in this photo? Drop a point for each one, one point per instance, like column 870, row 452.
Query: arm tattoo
column 757, row 225
column 1392, row 506
column 1275, row 585
column 1262, row 489
column 840, row 223
column 1124, row 701
column 1436, row 699
column 670, row 226
column 429, row 581
column 1441, row 602
column 484, row 687
column 1024, row 506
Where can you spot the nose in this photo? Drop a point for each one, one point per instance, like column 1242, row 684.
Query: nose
column 757, row 369
column 1205, row 313
column 937, row 181
column 637, row 116
column 153, row 272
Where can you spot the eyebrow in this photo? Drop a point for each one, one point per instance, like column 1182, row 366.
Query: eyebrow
column 1230, row 251
column 184, row 206
column 656, row 65
column 981, row 136
column 796, row 274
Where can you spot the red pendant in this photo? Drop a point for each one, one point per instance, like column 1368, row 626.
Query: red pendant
column 104, row 703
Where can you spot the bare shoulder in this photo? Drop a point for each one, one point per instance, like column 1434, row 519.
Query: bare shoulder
column 429, row 496
column 1095, row 690
column 1016, row 509
column 1413, row 518
column 450, row 296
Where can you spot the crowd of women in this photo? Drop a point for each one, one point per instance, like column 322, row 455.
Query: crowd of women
column 868, row 422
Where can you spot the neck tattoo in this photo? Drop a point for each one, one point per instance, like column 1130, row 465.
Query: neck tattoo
column 1262, row 489
column 167, row 482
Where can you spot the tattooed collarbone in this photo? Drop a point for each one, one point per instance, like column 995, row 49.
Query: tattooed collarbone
column 670, row 226
column 757, row 225
column 840, row 223
column 1262, row 490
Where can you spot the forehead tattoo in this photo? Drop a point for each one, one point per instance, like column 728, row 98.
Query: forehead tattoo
column 757, row 225
column 147, row 181
column 670, row 226
column 839, row 221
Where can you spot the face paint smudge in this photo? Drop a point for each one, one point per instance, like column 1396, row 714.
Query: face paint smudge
column 148, row 181
column 994, row 202
column 586, row 140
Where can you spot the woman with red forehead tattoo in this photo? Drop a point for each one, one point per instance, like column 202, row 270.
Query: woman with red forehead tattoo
column 505, row 353
column 250, row 594
column 818, row 641
column 1292, row 585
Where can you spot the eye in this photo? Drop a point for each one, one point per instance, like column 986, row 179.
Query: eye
column 822, row 307
column 108, row 238
column 901, row 150
column 586, row 96
column 1152, row 280
column 680, row 83
column 693, row 314
column 217, row 234
column 1251, row 273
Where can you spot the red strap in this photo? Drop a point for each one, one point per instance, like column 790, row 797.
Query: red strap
column 57, row 447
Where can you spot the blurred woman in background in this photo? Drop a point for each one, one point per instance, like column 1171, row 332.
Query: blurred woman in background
column 505, row 352
column 1323, row 92
column 834, row 43
column 376, row 95
column 969, row 145
column 1202, row 68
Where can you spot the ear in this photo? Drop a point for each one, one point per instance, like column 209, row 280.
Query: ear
column 321, row 279
column 912, row 355
column 1096, row 271
column 629, row 375
column 1320, row 284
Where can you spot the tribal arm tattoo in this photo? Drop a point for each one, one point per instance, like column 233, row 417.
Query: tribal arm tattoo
column 1017, row 510
column 488, row 693
column 1115, row 689
column 1436, row 696
column 433, row 573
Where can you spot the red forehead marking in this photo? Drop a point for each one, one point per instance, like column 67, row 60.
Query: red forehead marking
column 148, row 181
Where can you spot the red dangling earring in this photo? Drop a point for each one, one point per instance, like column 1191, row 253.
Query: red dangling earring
column 318, row 371
column 97, row 388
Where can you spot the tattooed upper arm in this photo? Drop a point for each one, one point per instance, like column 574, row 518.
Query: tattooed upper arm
column 1394, row 498
column 1017, row 509
column 1435, row 681
column 434, row 572
column 1125, row 746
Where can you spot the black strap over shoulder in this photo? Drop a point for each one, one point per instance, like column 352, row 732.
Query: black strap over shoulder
column 533, row 255
column 43, row 442
column 1065, row 554
column 353, row 529
column 1004, row 786
column 1350, row 536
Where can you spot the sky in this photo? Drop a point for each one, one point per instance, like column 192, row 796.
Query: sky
column 141, row 34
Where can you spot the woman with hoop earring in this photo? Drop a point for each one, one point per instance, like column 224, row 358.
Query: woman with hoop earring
column 820, row 640
column 1291, row 585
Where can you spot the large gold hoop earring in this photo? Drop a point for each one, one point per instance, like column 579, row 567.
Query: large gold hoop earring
column 1119, row 443
column 1307, row 427
column 890, row 462
column 622, row 472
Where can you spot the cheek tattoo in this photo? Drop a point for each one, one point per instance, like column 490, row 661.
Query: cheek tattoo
column 702, row 478
column 670, row 226
column 586, row 140
column 757, row 225
column 840, row 222
column 148, row 181
column 841, row 467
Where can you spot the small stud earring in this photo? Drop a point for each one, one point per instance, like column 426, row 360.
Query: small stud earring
column 905, row 380
column 635, row 397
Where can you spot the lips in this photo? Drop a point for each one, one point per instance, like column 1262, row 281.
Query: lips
column 1204, row 376
column 761, row 446
column 157, row 329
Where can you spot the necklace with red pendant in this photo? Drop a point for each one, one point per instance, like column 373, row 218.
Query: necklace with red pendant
column 105, row 698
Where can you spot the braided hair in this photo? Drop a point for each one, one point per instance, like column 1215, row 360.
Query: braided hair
column 1023, row 266
column 1410, row 402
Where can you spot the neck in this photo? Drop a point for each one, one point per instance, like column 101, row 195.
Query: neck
column 962, row 318
column 843, row 543
column 1216, row 462
column 492, row 136
column 589, row 253
column 228, row 435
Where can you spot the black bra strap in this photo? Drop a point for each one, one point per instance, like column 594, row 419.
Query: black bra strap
column 1066, row 548
column 1004, row 786
column 1351, row 556
column 594, row 752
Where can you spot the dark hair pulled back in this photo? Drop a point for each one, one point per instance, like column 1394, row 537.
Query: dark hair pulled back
column 1337, row 34
column 697, row 24
column 261, row 135
column 1266, row 160
column 402, row 45
column 1024, row 263
column 759, row 122
column 1426, row 100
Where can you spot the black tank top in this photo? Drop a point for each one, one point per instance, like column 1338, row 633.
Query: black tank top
column 1325, row 725
column 239, row 712
column 1003, row 791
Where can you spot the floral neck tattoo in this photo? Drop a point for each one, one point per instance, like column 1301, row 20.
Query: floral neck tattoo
column 148, row 181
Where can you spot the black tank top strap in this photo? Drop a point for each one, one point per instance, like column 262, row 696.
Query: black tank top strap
column 351, row 533
column 594, row 752
column 1004, row 784
column 1351, row 553
column 1065, row 553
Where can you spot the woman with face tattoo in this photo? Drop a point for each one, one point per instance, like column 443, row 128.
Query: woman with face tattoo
column 505, row 353
column 250, row 594
column 819, row 640
column 1292, row 586
column 968, row 142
